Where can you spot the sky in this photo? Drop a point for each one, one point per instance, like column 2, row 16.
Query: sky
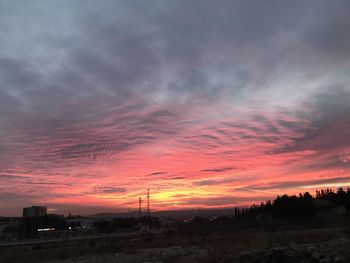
column 210, row 104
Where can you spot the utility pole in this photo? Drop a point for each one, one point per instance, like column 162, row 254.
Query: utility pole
column 140, row 201
column 148, row 203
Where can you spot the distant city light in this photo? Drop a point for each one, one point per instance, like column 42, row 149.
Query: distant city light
column 45, row 229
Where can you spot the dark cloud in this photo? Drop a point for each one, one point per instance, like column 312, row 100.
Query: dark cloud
column 156, row 173
column 218, row 170
column 178, row 178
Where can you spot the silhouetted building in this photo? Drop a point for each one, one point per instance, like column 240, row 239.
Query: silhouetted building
column 35, row 211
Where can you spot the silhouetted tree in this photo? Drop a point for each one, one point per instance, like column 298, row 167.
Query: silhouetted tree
column 293, row 206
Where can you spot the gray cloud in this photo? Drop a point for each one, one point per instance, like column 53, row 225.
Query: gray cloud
column 104, row 60
column 329, row 127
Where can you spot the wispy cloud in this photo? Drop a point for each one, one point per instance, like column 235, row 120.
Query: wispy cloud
column 302, row 183
column 218, row 170
column 102, row 189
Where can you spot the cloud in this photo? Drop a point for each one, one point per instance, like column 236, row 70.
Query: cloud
column 11, row 177
column 218, row 170
column 327, row 131
column 329, row 125
column 173, row 91
column 102, row 189
column 86, row 175
column 297, row 184
column 156, row 173
column 216, row 181
column 16, row 74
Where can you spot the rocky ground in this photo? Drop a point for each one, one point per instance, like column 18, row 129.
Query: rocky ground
column 310, row 245
column 154, row 255
column 336, row 251
column 325, row 252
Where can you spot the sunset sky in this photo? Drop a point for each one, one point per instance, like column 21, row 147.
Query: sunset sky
column 208, row 103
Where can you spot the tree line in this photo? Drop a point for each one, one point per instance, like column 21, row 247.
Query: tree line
column 297, row 206
column 300, row 206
